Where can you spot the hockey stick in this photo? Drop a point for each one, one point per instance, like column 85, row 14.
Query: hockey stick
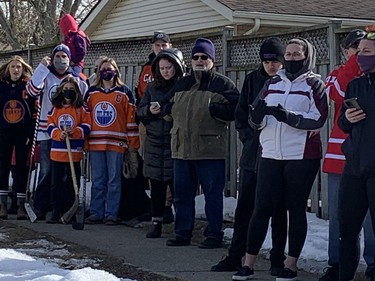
column 70, row 213
column 79, row 224
column 29, row 210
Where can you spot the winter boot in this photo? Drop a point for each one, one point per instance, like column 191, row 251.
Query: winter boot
column 54, row 217
column 3, row 207
column 21, row 212
column 13, row 206
column 156, row 232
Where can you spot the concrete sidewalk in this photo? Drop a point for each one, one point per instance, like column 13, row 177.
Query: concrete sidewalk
column 186, row 263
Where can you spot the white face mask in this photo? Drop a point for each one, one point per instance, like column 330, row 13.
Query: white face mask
column 60, row 63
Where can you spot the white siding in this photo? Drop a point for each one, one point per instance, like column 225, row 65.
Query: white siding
column 135, row 18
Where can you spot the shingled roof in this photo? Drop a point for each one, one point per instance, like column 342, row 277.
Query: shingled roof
column 363, row 9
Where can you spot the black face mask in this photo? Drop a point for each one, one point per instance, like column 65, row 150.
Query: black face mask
column 293, row 66
column 69, row 94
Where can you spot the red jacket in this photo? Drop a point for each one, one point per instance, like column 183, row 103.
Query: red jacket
column 75, row 39
column 145, row 77
column 337, row 81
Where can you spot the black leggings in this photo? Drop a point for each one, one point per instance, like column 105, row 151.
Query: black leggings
column 14, row 137
column 158, row 196
column 62, row 190
column 287, row 182
column 356, row 196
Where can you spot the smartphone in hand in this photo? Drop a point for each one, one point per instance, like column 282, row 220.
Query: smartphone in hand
column 155, row 104
column 352, row 103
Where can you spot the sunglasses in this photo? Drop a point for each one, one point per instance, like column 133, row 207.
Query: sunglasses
column 203, row 57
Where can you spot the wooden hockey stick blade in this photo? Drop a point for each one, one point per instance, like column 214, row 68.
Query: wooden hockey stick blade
column 30, row 212
column 70, row 213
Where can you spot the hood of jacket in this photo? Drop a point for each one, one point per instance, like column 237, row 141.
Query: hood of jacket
column 68, row 24
column 309, row 61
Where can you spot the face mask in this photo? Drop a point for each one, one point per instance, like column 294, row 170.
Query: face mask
column 60, row 63
column 106, row 74
column 293, row 66
column 69, row 94
column 366, row 63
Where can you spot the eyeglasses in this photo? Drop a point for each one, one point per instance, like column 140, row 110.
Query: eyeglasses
column 203, row 57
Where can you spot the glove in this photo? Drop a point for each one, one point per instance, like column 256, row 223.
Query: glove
column 279, row 112
column 130, row 163
column 258, row 112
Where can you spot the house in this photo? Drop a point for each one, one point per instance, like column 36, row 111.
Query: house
column 119, row 19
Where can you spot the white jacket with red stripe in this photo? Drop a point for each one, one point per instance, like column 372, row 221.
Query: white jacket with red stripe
column 44, row 83
column 298, row 137
column 337, row 81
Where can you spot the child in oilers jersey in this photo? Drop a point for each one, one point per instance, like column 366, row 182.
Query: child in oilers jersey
column 68, row 117
column 112, row 107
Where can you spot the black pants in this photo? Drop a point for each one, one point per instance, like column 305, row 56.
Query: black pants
column 9, row 138
column 356, row 196
column 62, row 190
column 158, row 196
column 244, row 211
column 289, row 182
column 134, row 200
column 42, row 197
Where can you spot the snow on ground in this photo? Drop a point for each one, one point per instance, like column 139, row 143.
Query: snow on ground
column 20, row 265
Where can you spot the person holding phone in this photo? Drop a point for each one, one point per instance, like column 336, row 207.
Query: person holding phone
column 357, row 192
column 167, row 67
column 334, row 159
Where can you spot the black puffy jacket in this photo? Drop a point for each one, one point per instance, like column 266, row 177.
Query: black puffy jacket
column 359, row 148
column 158, row 164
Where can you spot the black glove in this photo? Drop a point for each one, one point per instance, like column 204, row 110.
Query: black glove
column 258, row 112
column 279, row 112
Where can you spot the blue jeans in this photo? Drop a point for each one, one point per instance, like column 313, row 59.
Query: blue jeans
column 106, row 183
column 334, row 234
column 188, row 174
column 42, row 198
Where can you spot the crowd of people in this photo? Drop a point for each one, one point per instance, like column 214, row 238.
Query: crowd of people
column 174, row 130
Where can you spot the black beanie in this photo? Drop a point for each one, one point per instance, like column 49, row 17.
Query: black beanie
column 205, row 46
column 272, row 49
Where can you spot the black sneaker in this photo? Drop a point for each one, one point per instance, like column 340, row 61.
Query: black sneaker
column 287, row 275
column 211, row 243
column 245, row 273
column 330, row 274
column 227, row 264
column 178, row 241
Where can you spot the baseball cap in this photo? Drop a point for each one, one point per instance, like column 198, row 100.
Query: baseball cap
column 352, row 38
column 160, row 35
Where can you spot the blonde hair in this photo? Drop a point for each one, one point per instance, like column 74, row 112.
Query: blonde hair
column 117, row 81
column 27, row 71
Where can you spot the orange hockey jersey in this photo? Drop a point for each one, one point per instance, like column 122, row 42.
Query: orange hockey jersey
column 79, row 119
column 113, row 119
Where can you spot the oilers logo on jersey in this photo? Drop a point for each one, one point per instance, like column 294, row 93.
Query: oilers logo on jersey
column 65, row 120
column 13, row 111
column 104, row 114
column 52, row 91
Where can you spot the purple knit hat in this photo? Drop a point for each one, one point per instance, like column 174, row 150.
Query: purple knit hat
column 204, row 45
